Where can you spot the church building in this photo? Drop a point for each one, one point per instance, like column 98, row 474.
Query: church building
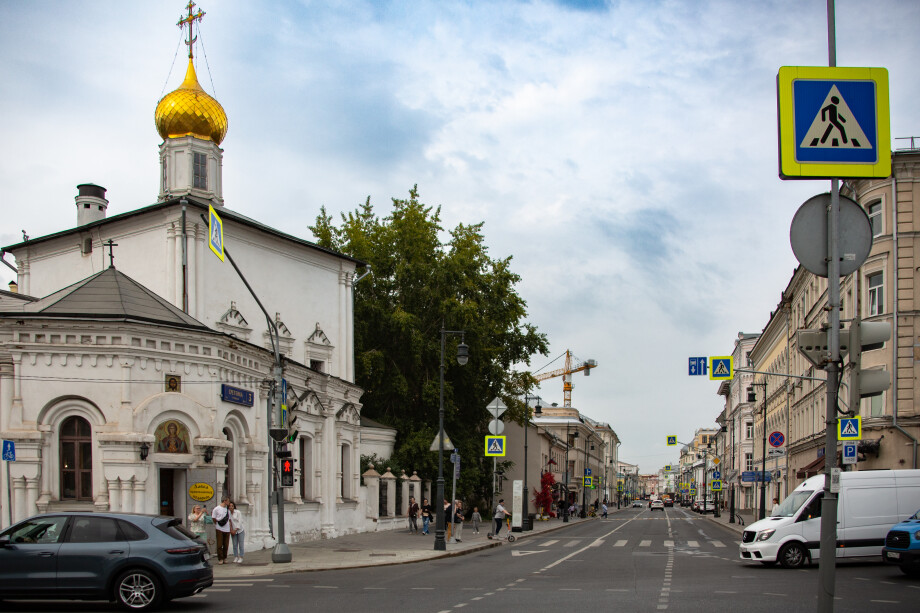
column 137, row 368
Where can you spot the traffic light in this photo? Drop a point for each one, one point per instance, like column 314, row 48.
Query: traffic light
column 866, row 336
column 287, row 467
column 813, row 345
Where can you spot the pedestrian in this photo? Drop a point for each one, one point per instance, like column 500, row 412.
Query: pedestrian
column 448, row 513
column 476, row 517
column 237, row 532
column 426, row 516
column 458, row 521
column 604, row 510
column 221, row 518
column 196, row 522
column 775, row 508
column 499, row 516
column 413, row 515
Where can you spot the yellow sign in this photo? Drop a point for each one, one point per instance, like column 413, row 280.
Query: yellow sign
column 849, row 428
column 672, row 440
column 202, row 492
column 495, row 446
column 215, row 233
column 720, row 368
column 716, row 461
column 833, row 122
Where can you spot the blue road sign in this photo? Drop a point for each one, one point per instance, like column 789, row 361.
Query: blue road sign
column 716, row 474
column 849, row 452
column 755, row 475
column 697, row 366
column 849, row 429
column 9, row 451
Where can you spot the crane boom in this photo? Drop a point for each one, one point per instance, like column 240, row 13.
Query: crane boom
column 572, row 365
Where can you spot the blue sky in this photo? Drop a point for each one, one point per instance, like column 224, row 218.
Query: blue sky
column 624, row 153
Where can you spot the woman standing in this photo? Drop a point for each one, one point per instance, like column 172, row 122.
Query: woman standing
column 196, row 522
column 426, row 516
column 237, row 532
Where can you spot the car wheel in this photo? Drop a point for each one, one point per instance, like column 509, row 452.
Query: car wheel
column 792, row 555
column 138, row 590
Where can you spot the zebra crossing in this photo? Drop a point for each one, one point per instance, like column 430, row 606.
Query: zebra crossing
column 640, row 543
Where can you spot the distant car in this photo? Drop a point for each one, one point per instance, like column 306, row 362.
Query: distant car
column 668, row 502
column 138, row 561
column 707, row 507
column 656, row 505
column 637, row 503
column 695, row 506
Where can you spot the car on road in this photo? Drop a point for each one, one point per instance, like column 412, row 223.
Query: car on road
column 705, row 507
column 902, row 546
column 668, row 502
column 656, row 505
column 138, row 561
column 637, row 503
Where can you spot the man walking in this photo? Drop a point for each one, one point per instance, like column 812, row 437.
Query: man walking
column 458, row 521
column 221, row 517
column 413, row 515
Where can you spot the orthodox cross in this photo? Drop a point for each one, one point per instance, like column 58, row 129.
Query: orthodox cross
column 190, row 21
column 111, row 244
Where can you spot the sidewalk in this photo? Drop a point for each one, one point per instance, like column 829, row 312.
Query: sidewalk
column 372, row 549
column 738, row 526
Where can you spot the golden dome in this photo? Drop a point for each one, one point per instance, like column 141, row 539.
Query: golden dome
column 189, row 110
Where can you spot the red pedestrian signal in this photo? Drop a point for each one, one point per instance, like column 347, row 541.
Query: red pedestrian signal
column 287, row 472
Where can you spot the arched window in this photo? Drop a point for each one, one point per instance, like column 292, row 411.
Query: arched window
column 76, row 460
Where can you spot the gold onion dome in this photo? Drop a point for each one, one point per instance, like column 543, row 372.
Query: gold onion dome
column 189, row 110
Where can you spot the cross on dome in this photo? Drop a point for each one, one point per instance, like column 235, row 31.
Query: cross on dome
column 190, row 22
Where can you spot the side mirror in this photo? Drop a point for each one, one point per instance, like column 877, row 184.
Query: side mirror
column 4, row 541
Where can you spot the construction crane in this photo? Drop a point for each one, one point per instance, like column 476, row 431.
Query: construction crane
column 572, row 366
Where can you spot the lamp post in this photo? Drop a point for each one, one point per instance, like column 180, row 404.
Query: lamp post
column 763, row 450
column 565, row 505
column 463, row 356
column 584, row 488
column 525, row 516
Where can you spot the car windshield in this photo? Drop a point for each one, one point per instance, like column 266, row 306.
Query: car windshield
column 792, row 503
column 916, row 515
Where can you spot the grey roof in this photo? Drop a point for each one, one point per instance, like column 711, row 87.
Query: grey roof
column 110, row 295
column 367, row 422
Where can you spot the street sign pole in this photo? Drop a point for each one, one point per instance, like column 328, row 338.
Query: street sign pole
column 828, row 560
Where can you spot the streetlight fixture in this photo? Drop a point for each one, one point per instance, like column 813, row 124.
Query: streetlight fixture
column 584, row 488
column 525, row 516
column 463, row 356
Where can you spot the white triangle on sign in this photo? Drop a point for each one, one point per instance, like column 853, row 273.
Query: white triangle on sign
column 721, row 370
column 517, row 552
column 495, row 446
column 849, row 429
column 436, row 443
column 835, row 127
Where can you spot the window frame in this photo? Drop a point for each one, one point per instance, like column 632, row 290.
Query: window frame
column 199, row 170
column 79, row 470
column 875, row 294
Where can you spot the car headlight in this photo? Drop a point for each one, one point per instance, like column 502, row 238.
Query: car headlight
column 765, row 535
column 917, row 535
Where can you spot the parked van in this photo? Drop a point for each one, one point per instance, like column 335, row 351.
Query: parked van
column 870, row 502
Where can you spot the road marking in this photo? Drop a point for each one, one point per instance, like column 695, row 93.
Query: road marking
column 618, row 589
column 693, row 544
column 575, row 553
column 369, row 588
column 416, row 588
column 476, row 598
column 572, row 543
column 887, row 601
column 774, row 594
column 570, row 589
column 548, row 543
column 717, row 543
column 335, row 587
column 286, row 586
column 217, row 589
column 723, row 592
column 460, row 606
column 645, row 543
column 621, row 543
column 669, row 543
column 247, row 580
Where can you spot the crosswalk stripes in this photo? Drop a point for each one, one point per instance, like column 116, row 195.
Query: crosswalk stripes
column 645, row 543
column 717, row 543
column 692, row 544
column 650, row 543
column 669, row 543
column 548, row 543
column 572, row 543
column 621, row 543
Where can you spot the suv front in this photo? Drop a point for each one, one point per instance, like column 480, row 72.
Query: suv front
column 902, row 546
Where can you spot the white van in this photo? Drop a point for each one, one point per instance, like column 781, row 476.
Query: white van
column 870, row 502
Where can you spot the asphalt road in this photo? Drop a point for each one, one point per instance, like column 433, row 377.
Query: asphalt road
column 639, row 560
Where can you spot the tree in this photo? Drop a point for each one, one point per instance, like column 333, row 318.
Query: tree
column 419, row 284
column 543, row 498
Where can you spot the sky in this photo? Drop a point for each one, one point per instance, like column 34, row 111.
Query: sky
column 624, row 153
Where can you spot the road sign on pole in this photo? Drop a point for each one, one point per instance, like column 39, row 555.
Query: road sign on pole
column 777, row 439
column 720, row 368
column 833, row 122
column 495, row 446
column 697, row 366
column 215, row 233
column 672, row 440
column 9, row 451
column 849, row 429
column 849, row 452
column 496, row 407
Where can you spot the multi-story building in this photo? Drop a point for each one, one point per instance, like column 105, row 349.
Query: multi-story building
column 884, row 289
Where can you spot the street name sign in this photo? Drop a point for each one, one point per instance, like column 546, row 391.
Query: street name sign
column 720, row 368
column 495, row 446
column 833, row 122
column 849, row 428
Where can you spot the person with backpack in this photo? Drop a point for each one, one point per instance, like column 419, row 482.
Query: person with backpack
column 221, row 517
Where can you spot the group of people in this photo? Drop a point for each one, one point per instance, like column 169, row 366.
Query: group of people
column 455, row 515
column 228, row 526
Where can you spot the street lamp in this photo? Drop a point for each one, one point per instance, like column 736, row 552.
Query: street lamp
column 584, row 488
column 463, row 356
column 525, row 516
column 763, row 449
column 565, row 505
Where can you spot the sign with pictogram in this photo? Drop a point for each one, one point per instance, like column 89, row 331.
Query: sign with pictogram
column 589, row 482
column 215, row 233
column 672, row 440
column 697, row 366
column 716, row 474
column 833, row 122
column 849, row 452
column 849, row 428
column 777, row 439
column 9, row 451
column 287, row 472
column 720, row 368
column 495, row 446
column 717, row 485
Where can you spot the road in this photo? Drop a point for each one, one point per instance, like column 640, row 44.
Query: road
column 638, row 560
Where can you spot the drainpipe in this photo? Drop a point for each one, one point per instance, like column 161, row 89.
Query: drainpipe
column 894, row 323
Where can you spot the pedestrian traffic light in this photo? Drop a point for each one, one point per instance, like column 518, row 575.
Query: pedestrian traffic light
column 866, row 336
column 287, row 472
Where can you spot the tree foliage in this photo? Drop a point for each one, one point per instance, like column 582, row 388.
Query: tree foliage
column 419, row 284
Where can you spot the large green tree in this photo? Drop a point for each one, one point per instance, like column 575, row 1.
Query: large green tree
column 423, row 278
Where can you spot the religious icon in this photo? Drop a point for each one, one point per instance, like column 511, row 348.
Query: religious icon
column 173, row 438
column 173, row 383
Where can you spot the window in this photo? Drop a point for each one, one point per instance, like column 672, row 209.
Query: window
column 306, row 468
column 201, row 171
column 876, row 286
column 76, row 460
column 749, row 461
column 94, row 530
column 749, row 430
column 318, row 365
column 876, row 405
column 42, row 530
column 875, row 218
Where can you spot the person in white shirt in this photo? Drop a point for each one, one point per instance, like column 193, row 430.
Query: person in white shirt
column 236, row 532
column 499, row 517
column 221, row 517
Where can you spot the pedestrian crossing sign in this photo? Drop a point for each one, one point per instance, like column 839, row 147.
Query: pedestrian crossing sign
column 849, row 429
column 495, row 446
column 720, row 368
column 717, row 485
column 215, row 233
column 833, row 122
column 672, row 440
column 589, row 482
